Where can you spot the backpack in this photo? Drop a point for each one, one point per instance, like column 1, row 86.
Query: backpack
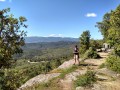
column 75, row 49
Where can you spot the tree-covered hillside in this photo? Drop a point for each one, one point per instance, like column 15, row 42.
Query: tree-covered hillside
column 49, row 39
column 46, row 49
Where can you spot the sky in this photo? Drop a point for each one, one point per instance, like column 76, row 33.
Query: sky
column 61, row 18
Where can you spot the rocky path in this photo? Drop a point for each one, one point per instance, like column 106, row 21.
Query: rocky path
column 67, row 82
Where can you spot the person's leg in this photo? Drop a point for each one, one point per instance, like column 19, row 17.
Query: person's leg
column 78, row 59
column 75, row 58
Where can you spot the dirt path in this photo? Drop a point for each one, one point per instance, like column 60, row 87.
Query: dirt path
column 108, row 80
column 67, row 82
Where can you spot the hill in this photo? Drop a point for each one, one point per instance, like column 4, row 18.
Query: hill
column 49, row 39
column 44, row 49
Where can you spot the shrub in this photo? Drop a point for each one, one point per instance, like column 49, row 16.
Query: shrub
column 102, row 65
column 84, row 41
column 1, row 80
column 11, row 79
column 91, row 53
column 86, row 80
column 113, row 63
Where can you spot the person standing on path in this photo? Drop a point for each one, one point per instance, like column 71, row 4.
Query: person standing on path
column 76, row 54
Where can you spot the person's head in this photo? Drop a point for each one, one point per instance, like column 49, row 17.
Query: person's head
column 75, row 45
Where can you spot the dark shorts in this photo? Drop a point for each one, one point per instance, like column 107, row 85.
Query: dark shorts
column 76, row 53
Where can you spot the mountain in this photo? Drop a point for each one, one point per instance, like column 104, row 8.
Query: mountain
column 49, row 39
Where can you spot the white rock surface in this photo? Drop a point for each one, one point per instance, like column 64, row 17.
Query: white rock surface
column 42, row 78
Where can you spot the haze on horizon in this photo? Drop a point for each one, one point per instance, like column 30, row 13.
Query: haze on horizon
column 61, row 18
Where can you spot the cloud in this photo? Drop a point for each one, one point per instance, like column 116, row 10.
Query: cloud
column 55, row 35
column 91, row 15
column 5, row 0
column 2, row 0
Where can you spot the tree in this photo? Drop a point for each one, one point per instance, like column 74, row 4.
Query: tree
column 96, row 44
column 114, row 31
column 110, row 29
column 84, row 41
column 11, row 36
column 104, row 25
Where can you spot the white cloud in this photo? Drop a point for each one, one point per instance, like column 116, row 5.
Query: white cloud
column 91, row 15
column 5, row 0
column 55, row 35
column 2, row 0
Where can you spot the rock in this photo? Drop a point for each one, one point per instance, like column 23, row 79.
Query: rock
column 66, row 64
column 118, row 75
column 102, row 77
column 107, row 72
column 97, row 87
column 42, row 78
column 80, row 88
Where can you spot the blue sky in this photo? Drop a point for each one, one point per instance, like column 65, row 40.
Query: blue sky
column 64, row 18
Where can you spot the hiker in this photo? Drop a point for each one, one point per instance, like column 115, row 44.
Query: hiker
column 76, row 54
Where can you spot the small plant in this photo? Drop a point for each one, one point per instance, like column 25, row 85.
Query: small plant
column 86, row 80
column 91, row 53
column 113, row 63
column 102, row 65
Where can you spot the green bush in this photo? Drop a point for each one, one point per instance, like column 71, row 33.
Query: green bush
column 86, row 80
column 14, row 77
column 11, row 79
column 113, row 63
column 91, row 53
column 103, row 65
column 1, row 80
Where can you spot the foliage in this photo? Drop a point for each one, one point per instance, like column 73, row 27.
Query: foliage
column 117, row 50
column 1, row 80
column 96, row 44
column 103, row 65
column 113, row 63
column 91, row 53
column 41, row 51
column 115, row 27
column 11, row 37
column 84, row 41
column 110, row 28
column 14, row 78
column 104, row 25
column 86, row 80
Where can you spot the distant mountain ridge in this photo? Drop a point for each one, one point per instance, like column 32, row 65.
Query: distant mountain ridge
column 49, row 39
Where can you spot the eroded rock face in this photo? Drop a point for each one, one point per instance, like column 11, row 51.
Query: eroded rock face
column 67, row 64
column 42, row 78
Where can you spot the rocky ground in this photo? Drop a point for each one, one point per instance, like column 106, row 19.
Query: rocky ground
column 108, row 80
